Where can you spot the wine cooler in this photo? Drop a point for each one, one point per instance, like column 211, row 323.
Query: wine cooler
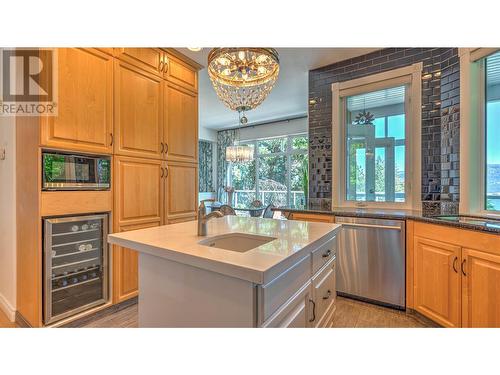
column 76, row 265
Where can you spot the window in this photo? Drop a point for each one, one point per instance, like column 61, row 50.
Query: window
column 278, row 174
column 375, row 146
column 376, row 156
column 492, row 133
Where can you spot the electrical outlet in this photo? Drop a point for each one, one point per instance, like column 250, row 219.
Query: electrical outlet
column 2, row 153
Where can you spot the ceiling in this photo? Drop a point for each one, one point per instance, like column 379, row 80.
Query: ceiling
column 287, row 99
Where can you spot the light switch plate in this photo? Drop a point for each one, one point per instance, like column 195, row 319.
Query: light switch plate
column 2, row 153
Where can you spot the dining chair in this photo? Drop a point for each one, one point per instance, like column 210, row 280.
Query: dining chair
column 227, row 210
column 256, row 204
column 268, row 212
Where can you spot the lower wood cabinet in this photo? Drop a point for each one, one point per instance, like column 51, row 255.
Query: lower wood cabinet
column 125, row 266
column 456, row 276
column 320, row 218
column 480, row 289
column 437, row 281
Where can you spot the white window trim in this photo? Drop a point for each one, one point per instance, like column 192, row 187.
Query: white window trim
column 472, row 125
column 409, row 75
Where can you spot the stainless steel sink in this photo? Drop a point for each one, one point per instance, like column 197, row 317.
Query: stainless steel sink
column 239, row 242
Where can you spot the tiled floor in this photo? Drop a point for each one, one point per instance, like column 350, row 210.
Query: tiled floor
column 356, row 314
column 349, row 314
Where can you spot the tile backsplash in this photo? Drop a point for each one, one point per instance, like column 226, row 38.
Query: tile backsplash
column 440, row 118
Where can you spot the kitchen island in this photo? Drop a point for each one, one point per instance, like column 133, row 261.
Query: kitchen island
column 248, row 272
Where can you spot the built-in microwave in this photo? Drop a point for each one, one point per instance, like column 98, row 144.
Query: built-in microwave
column 67, row 171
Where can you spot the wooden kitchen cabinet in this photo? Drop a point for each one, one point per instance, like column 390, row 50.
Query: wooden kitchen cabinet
column 181, row 73
column 84, row 120
column 181, row 124
column 311, row 217
column 149, row 59
column 480, row 289
column 138, row 112
column 181, row 192
column 138, row 191
column 125, row 268
column 437, row 291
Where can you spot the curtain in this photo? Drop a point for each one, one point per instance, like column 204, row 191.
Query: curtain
column 224, row 138
column 205, row 180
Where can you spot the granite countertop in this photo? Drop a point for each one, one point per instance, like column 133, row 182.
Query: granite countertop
column 180, row 243
column 486, row 223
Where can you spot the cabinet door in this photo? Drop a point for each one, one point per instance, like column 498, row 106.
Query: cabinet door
column 324, row 294
column 181, row 191
column 180, row 73
column 84, row 121
column 149, row 59
column 293, row 314
column 312, row 217
column 481, row 289
column 181, row 125
column 138, row 191
column 125, row 268
column 437, row 281
column 138, row 112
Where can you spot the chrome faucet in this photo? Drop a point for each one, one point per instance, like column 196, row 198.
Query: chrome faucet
column 203, row 217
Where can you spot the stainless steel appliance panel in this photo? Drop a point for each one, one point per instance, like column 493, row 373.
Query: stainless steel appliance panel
column 371, row 260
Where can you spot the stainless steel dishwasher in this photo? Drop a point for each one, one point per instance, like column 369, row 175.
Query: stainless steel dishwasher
column 371, row 260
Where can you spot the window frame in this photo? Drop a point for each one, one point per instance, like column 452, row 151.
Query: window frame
column 410, row 77
column 288, row 153
column 473, row 131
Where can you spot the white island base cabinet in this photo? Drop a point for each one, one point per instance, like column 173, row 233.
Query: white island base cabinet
column 173, row 294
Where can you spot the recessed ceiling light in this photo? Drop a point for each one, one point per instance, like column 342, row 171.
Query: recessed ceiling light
column 194, row 49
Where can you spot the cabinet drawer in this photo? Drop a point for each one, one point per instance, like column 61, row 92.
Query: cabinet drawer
column 323, row 254
column 324, row 291
column 294, row 313
column 274, row 294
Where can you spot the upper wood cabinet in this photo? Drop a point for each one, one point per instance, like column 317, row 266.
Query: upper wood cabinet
column 480, row 289
column 181, row 73
column 181, row 125
column 181, row 191
column 437, row 292
column 150, row 59
column 138, row 112
column 138, row 191
column 85, row 102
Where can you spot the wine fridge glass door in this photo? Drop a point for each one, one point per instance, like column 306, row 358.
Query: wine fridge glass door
column 76, row 265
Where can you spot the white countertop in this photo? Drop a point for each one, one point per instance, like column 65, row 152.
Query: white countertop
column 179, row 242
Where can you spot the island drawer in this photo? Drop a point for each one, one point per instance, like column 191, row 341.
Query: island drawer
column 324, row 290
column 323, row 254
column 294, row 313
column 275, row 293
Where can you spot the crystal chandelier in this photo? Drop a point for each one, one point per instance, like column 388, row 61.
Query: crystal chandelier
column 243, row 77
column 239, row 154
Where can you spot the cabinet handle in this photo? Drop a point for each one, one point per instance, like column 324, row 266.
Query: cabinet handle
column 166, row 148
column 162, row 172
column 162, row 147
column 112, row 139
column 455, row 264
column 327, row 254
column 161, row 65
column 462, row 267
column 328, row 294
column 314, row 311
column 166, row 172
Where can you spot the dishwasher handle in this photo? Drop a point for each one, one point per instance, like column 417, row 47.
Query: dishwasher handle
column 375, row 226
